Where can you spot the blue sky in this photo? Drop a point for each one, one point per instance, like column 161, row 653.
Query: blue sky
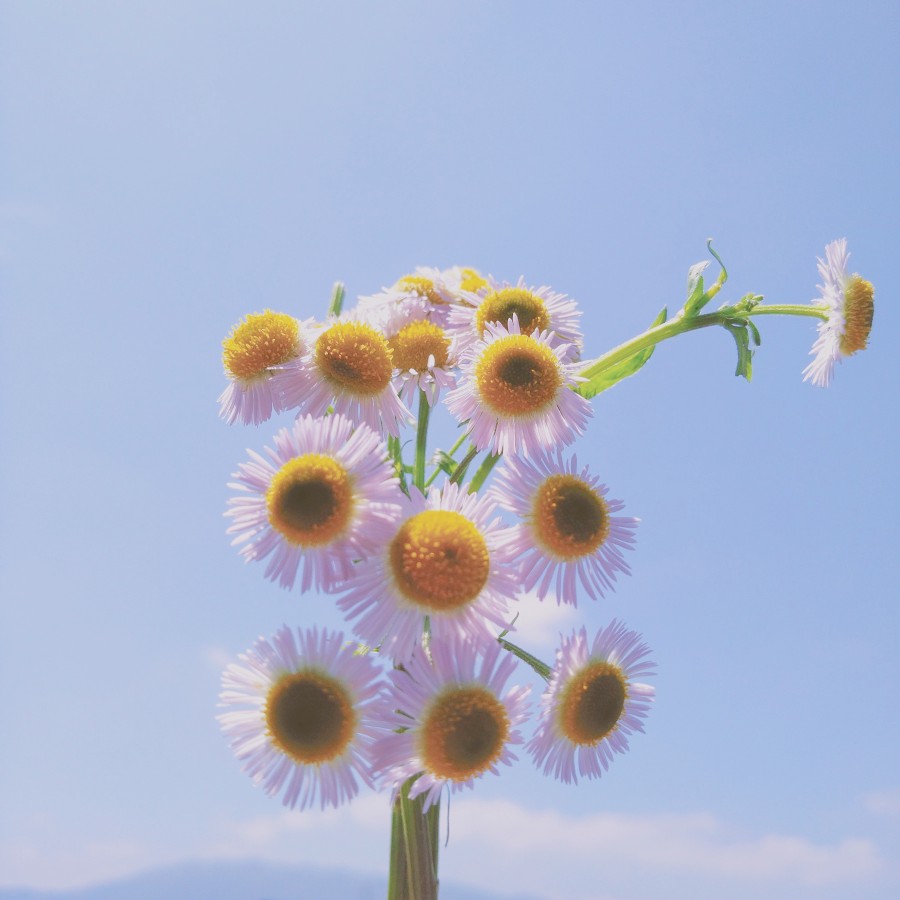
column 166, row 168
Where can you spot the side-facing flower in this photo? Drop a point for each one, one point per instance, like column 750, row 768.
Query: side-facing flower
column 850, row 303
column 256, row 344
column 447, row 718
column 326, row 495
column 570, row 536
column 516, row 392
column 349, row 369
column 306, row 725
column 443, row 561
column 592, row 702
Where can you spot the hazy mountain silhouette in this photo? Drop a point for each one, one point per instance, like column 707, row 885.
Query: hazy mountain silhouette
column 243, row 881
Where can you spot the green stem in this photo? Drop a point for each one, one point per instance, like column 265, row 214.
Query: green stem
column 414, row 848
column 680, row 324
column 460, row 470
column 538, row 665
column 786, row 309
column 484, row 470
column 421, row 441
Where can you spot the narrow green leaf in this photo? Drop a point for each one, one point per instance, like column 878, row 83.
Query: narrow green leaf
column 604, row 380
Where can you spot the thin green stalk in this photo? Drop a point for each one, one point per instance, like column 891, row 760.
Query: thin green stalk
column 538, row 665
column 421, row 442
column 727, row 316
column 484, row 470
column 460, row 470
column 786, row 309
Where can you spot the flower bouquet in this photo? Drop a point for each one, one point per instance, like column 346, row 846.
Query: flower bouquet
column 428, row 551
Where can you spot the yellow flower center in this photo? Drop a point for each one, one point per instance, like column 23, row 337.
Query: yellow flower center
column 859, row 311
column 592, row 702
column 518, row 376
column 355, row 359
column 439, row 560
column 259, row 341
column 570, row 519
column 414, row 343
column 424, row 287
column 499, row 306
column 310, row 500
column 310, row 717
column 472, row 281
column 463, row 733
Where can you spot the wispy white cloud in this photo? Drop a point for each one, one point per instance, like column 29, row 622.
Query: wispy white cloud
column 503, row 846
column 883, row 803
column 538, row 850
column 216, row 658
column 540, row 623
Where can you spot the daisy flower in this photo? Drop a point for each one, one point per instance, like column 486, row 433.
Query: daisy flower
column 540, row 309
column 424, row 354
column 442, row 561
column 349, row 369
column 256, row 344
column 570, row 537
column 326, row 495
column 849, row 300
column 448, row 719
column 516, row 394
column 592, row 703
column 306, row 725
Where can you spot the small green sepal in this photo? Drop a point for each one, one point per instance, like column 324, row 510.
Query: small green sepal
column 337, row 299
column 741, row 334
column 444, row 461
column 695, row 296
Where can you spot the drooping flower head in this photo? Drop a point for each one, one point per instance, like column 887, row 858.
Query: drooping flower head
column 570, row 539
column 326, row 495
column 256, row 344
column 448, row 719
column 463, row 280
column 426, row 285
column 592, row 703
column 443, row 561
column 424, row 353
column 349, row 369
column 515, row 392
column 540, row 309
column 305, row 726
column 850, row 301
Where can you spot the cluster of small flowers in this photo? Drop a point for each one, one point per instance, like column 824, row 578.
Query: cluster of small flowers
column 427, row 574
